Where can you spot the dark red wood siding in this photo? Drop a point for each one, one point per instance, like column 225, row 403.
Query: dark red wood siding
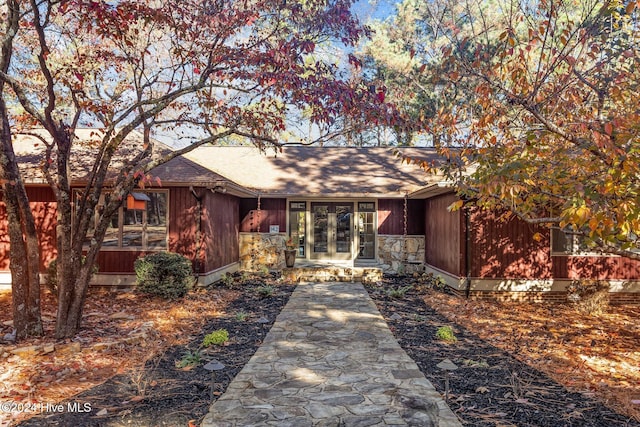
column 220, row 227
column 391, row 216
column 219, row 232
column 444, row 235
column 507, row 249
column 43, row 205
column 415, row 217
column 272, row 212
column 183, row 220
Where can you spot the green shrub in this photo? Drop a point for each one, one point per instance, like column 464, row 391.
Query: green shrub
column 164, row 274
column 266, row 291
column 217, row 337
column 227, row 280
column 398, row 293
column 51, row 282
column 445, row 333
column 190, row 359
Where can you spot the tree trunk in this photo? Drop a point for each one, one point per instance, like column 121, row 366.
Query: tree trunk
column 24, row 253
column 72, row 294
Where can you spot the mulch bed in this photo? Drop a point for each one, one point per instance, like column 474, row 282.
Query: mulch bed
column 490, row 387
column 164, row 395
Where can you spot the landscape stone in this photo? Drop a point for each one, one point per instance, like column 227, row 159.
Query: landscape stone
column 121, row 316
column 26, row 351
column 336, row 364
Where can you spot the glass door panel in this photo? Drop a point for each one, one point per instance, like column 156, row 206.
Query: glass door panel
column 320, row 218
column 344, row 215
column 332, row 230
column 366, row 230
column 366, row 233
column 298, row 225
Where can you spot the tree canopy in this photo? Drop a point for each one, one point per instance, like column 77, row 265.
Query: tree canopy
column 539, row 108
column 198, row 70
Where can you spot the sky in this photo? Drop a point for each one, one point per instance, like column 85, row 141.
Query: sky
column 373, row 9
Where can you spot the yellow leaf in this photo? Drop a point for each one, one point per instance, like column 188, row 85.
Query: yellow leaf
column 538, row 237
column 455, row 206
column 581, row 214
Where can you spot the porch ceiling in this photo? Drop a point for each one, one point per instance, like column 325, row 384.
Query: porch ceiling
column 320, row 171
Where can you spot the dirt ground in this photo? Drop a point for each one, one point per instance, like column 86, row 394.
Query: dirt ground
column 522, row 364
column 122, row 367
column 519, row 364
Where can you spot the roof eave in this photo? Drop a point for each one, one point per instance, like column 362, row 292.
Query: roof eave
column 433, row 190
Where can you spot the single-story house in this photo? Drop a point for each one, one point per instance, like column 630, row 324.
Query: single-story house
column 229, row 208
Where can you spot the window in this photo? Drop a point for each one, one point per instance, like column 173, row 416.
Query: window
column 141, row 222
column 367, row 229
column 567, row 243
column 297, row 225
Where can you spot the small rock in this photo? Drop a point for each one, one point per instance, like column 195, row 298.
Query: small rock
column 395, row 316
column 11, row 337
column 49, row 348
column 71, row 348
column 102, row 412
column 29, row 350
column 8, row 323
column 121, row 316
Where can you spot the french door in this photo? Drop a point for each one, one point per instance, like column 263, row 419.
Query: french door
column 332, row 230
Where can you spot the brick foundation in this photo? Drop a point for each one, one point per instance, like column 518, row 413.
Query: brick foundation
column 615, row 298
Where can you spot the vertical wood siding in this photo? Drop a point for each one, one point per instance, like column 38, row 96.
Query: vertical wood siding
column 415, row 217
column 444, row 237
column 183, row 219
column 601, row 267
column 390, row 216
column 272, row 212
column 43, row 205
column 220, row 226
column 507, row 249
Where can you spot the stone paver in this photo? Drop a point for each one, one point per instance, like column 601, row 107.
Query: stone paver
column 330, row 360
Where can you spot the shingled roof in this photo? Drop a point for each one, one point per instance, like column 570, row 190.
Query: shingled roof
column 321, row 171
column 294, row 171
column 180, row 171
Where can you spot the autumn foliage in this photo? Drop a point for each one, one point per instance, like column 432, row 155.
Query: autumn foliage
column 536, row 107
column 198, row 71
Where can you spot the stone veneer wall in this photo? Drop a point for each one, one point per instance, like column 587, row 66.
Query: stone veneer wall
column 259, row 250
column 396, row 253
column 401, row 254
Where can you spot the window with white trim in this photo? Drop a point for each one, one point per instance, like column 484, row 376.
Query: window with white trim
column 567, row 243
column 141, row 221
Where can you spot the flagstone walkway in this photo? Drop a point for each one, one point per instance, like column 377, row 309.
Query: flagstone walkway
column 330, row 360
